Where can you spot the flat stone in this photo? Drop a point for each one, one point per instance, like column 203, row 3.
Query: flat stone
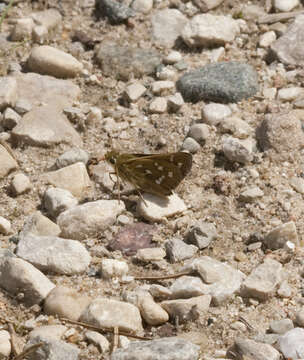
column 263, row 280
column 171, row 348
column 281, row 326
column 40, row 225
column 259, row 351
column 187, row 287
column 124, row 62
column 156, row 208
column 150, row 254
column 251, row 194
column 89, row 219
column 167, row 26
column 210, row 30
column 45, row 126
column 8, row 163
column 177, row 250
column 110, row 313
column 279, row 236
column 201, row 234
column 289, row 48
column 43, row 252
column 291, row 344
column 48, row 60
column 183, row 308
column 73, row 178
column 224, row 82
column 18, row 276
column 290, row 94
column 65, row 302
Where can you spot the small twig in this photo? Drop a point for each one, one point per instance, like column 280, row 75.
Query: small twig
column 28, row 351
column 8, row 149
column 270, row 19
column 5, row 12
column 163, row 277
column 16, row 342
column 106, row 330
column 115, row 338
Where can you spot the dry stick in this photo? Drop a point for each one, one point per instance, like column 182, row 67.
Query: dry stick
column 115, row 338
column 164, row 277
column 97, row 328
column 28, row 351
column 269, row 19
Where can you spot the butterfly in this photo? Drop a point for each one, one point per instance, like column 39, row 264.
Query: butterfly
column 157, row 174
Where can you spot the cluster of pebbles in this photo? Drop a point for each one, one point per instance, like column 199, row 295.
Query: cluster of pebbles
column 213, row 272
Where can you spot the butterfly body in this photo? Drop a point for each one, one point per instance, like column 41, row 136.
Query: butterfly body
column 158, row 174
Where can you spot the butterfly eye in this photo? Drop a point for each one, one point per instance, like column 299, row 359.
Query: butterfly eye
column 112, row 161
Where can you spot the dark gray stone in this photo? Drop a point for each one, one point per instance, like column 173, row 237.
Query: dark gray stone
column 201, row 234
column 161, row 349
column 114, row 10
column 225, row 82
column 121, row 62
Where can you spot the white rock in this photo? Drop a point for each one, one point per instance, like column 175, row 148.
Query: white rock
column 18, row 276
column 160, row 87
column 187, row 287
column 8, row 163
column 206, row 5
column 251, row 194
column 291, row 344
column 158, row 105
column 8, row 92
column 175, row 102
column 71, row 157
column 213, row 113
column 88, row 219
column 150, row 254
column 166, row 73
column 160, row 292
column 22, row 106
column 38, row 224
column 298, row 184
column 278, row 237
column 112, row 268
column 177, row 250
column 110, row 313
column 55, row 332
column 246, row 347
column 49, row 18
column 5, row 344
column 99, row 340
column 191, row 145
column 10, row 118
column 173, row 57
column 57, row 200
column 156, row 208
column 285, row 5
column 167, row 26
column 22, row 29
column 95, row 114
column 263, row 280
column 142, row 6
column 152, row 312
column 134, row 91
column 199, row 132
column 270, row 93
column 238, row 150
column 66, row 302
column 51, row 61
column 73, row 178
column 40, row 34
column 236, row 126
column 50, row 253
column 290, row 94
column 210, row 30
column 5, row 226
column 20, row 184
column 267, row 39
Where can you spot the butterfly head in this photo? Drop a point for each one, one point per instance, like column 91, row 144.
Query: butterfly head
column 111, row 156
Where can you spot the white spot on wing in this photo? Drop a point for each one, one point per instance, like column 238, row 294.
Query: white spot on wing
column 161, row 168
column 148, row 172
column 159, row 180
column 170, row 174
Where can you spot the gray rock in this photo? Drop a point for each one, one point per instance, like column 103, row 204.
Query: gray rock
column 263, row 280
column 167, row 26
column 279, row 236
column 53, row 349
column 289, row 48
column 10, row 119
column 65, row 302
column 110, row 313
column 221, row 281
column 201, row 234
column 275, row 132
column 50, row 253
column 255, row 350
column 57, row 200
column 48, row 60
column 210, row 30
column 199, row 132
column 124, row 62
column 221, row 82
column 291, row 344
column 88, row 219
column 20, row 277
column 53, row 130
column 71, row 157
column 187, row 287
column 281, row 326
column 172, row 348
column 191, row 145
column 40, row 225
column 116, row 12
column 177, row 250
column 237, row 150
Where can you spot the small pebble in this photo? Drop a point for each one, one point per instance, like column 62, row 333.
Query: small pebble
column 191, row 145
column 20, row 184
column 5, row 226
column 173, row 57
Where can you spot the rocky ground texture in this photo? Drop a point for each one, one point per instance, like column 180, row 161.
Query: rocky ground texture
column 213, row 272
